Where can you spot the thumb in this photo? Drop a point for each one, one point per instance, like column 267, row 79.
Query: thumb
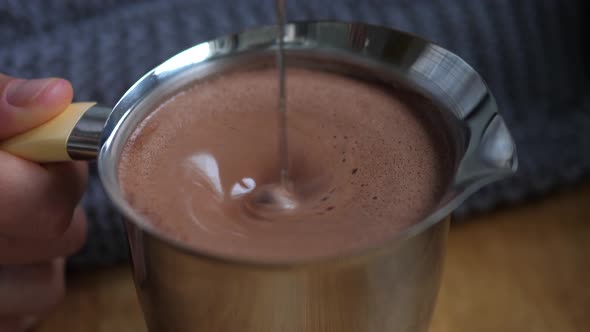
column 25, row 104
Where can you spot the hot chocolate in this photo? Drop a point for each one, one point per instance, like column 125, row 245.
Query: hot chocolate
column 366, row 161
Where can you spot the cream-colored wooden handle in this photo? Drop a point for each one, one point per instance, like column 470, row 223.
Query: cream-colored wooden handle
column 48, row 142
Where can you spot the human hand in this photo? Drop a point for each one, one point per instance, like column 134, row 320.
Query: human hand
column 40, row 220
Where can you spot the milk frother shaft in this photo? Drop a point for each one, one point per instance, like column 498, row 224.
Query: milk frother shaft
column 72, row 135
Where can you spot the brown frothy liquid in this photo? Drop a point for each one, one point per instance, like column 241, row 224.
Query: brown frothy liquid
column 365, row 161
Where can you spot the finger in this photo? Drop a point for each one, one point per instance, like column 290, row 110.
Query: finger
column 25, row 104
column 23, row 251
column 11, row 324
column 20, row 323
column 31, row 289
column 38, row 201
column 71, row 176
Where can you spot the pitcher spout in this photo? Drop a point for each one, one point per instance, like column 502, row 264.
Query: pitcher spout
column 497, row 150
column 491, row 153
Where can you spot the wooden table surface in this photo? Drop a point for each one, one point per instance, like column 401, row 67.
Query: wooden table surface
column 525, row 268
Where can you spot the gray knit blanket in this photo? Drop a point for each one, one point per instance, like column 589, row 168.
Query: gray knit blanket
column 531, row 52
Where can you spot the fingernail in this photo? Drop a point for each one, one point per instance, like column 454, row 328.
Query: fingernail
column 21, row 93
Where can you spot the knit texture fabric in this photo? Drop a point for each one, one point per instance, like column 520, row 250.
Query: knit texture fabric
column 530, row 52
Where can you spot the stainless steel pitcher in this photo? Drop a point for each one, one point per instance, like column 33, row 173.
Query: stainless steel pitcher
column 390, row 287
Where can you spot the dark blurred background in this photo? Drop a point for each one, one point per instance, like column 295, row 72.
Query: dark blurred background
column 531, row 52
